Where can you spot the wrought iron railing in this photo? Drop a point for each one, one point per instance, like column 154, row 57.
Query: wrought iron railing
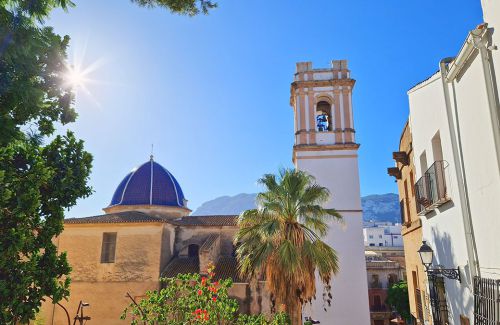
column 486, row 301
column 431, row 188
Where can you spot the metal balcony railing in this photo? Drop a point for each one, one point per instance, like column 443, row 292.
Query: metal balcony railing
column 431, row 189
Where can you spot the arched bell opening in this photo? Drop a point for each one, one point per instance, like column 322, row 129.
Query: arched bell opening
column 324, row 120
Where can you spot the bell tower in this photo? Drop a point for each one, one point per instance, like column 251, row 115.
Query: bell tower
column 325, row 147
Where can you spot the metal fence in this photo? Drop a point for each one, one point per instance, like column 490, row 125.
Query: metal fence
column 486, row 301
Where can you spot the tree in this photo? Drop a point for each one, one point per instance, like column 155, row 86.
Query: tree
column 39, row 178
column 182, row 7
column 397, row 298
column 281, row 240
column 194, row 299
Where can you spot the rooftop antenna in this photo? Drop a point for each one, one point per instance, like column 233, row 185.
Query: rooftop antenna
column 151, row 156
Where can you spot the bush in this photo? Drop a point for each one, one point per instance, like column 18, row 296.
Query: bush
column 194, row 299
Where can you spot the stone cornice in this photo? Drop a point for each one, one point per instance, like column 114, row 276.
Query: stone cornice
column 319, row 83
column 316, row 147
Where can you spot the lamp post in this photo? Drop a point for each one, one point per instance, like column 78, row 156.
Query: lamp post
column 427, row 255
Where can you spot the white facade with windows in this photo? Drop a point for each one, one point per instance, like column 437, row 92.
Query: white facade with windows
column 383, row 235
column 456, row 143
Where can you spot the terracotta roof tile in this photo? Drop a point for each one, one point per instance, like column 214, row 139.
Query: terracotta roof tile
column 225, row 220
column 120, row 217
column 226, row 267
column 181, row 265
column 135, row 216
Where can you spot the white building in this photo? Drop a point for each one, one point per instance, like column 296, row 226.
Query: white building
column 326, row 148
column 456, row 144
column 382, row 234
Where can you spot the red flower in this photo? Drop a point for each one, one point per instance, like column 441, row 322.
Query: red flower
column 200, row 292
column 203, row 281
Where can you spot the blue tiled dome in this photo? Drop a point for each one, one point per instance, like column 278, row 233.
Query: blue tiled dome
column 149, row 184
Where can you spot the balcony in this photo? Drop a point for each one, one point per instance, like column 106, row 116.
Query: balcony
column 431, row 189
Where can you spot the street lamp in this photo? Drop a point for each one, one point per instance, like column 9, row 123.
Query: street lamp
column 427, row 255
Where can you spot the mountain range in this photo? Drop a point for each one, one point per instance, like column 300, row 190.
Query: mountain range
column 376, row 207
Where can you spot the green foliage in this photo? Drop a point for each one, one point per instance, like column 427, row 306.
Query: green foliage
column 397, row 297
column 182, row 7
column 38, row 180
column 194, row 299
column 37, row 184
column 282, row 239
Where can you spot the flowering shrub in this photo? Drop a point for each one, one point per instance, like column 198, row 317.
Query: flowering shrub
column 194, row 299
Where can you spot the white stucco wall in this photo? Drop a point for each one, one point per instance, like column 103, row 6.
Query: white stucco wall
column 349, row 289
column 442, row 228
column 481, row 165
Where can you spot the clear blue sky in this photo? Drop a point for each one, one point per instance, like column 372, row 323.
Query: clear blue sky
column 212, row 92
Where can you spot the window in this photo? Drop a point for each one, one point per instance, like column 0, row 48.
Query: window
column 370, row 236
column 108, row 247
column 423, row 163
column 437, row 151
column 372, row 244
column 392, row 279
column 377, row 302
column 380, row 244
column 407, row 201
column 323, row 116
column 379, row 236
column 193, row 250
column 412, row 183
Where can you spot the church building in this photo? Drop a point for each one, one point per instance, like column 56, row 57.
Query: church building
column 147, row 232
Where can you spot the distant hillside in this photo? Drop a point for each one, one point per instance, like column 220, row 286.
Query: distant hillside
column 377, row 207
column 381, row 207
column 227, row 205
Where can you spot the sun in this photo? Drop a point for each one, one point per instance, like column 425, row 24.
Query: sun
column 75, row 77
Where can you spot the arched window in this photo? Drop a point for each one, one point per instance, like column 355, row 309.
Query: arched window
column 323, row 116
column 193, row 250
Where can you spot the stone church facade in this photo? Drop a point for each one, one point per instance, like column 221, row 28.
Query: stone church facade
column 146, row 234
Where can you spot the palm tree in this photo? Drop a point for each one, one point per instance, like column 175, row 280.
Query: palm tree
column 281, row 239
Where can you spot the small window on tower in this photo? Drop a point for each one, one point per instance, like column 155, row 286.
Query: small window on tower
column 323, row 116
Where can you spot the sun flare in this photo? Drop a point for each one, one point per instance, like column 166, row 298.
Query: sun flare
column 75, row 77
